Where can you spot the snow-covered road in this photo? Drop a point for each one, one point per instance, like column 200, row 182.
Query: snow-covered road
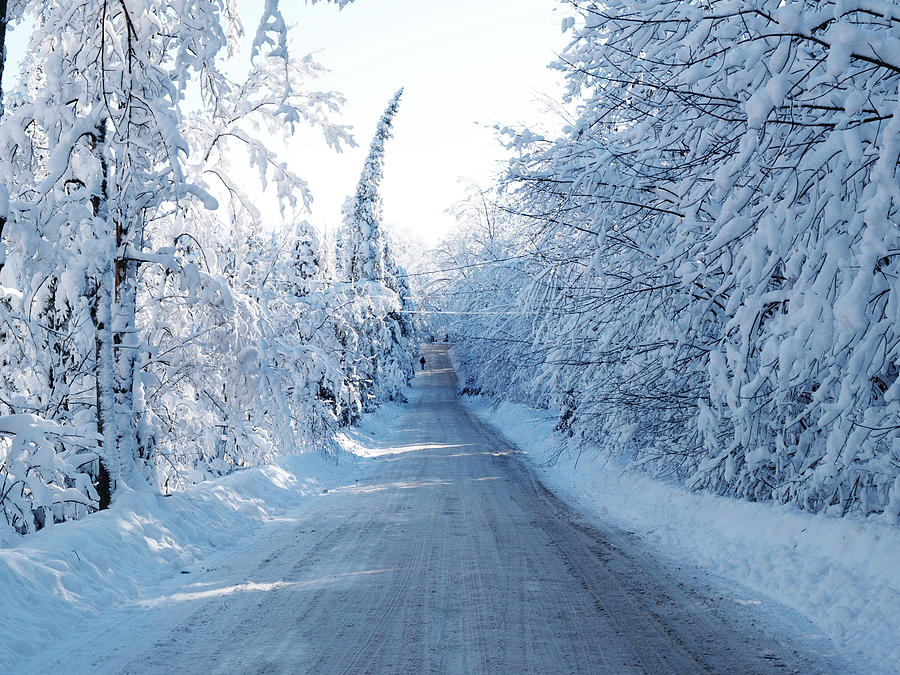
column 444, row 555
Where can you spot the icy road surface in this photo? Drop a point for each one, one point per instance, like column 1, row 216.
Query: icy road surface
column 446, row 555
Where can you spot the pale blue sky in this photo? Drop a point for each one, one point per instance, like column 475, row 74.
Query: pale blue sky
column 464, row 63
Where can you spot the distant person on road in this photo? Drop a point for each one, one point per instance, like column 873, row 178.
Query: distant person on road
column 422, row 362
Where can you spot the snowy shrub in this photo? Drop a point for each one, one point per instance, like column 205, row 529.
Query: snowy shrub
column 41, row 481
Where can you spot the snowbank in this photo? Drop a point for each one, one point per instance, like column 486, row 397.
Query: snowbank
column 54, row 581
column 843, row 574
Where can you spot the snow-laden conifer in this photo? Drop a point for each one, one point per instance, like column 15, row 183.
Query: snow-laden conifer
column 365, row 262
column 362, row 240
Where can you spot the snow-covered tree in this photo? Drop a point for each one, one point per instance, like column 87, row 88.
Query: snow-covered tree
column 714, row 282
column 114, row 303
column 383, row 328
column 231, row 322
column 361, row 241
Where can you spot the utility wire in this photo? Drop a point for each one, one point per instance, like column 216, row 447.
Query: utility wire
column 418, row 274
column 462, row 267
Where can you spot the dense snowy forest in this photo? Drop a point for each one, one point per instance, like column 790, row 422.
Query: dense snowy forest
column 155, row 332
column 697, row 276
column 700, row 273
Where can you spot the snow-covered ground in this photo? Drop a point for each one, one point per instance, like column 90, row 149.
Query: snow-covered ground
column 57, row 584
column 843, row 574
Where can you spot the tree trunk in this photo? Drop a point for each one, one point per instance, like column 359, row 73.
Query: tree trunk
column 3, row 20
column 4, row 192
column 125, row 346
column 104, row 378
column 109, row 466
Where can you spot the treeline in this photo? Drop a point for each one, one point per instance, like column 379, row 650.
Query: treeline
column 153, row 331
column 701, row 272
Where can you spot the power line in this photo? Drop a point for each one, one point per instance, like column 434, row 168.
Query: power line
column 326, row 282
column 462, row 267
